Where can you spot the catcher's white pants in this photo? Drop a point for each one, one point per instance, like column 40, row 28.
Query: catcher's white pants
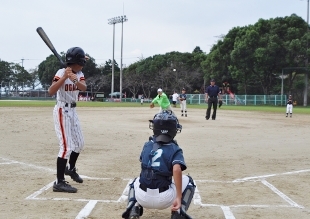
column 152, row 199
column 68, row 130
column 289, row 108
column 183, row 105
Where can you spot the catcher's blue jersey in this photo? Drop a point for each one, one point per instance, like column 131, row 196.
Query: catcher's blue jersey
column 157, row 166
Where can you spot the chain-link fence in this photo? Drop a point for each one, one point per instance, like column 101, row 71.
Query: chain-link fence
column 273, row 100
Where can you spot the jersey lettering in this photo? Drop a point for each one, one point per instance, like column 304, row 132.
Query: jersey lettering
column 158, row 154
column 70, row 87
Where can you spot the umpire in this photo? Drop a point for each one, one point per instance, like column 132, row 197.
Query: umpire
column 212, row 95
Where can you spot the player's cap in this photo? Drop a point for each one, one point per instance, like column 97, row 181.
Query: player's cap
column 183, row 88
column 212, row 80
column 159, row 90
column 163, row 138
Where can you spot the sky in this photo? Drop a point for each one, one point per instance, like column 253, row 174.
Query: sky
column 153, row 26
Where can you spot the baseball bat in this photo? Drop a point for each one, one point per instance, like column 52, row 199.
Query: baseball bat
column 47, row 41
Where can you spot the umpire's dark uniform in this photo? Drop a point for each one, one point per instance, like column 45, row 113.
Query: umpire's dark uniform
column 212, row 92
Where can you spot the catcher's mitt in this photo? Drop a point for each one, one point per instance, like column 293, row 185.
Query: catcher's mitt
column 220, row 103
column 152, row 105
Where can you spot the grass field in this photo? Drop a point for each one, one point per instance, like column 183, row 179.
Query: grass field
column 37, row 103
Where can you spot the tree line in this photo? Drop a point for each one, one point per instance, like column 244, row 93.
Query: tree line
column 251, row 59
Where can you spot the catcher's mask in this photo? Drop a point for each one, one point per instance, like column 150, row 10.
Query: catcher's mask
column 165, row 126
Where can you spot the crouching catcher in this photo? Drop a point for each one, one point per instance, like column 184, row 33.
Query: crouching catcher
column 161, row 184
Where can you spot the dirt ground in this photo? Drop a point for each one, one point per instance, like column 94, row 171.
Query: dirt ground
column 245, row 164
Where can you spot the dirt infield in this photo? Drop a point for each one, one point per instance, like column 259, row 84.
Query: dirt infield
column 245, row 164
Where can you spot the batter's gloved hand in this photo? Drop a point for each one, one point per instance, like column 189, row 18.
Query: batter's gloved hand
column 152, row 105
column 220, row 103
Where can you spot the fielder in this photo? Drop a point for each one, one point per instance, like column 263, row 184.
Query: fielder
column 182, row 99
column 162, row 100
column 66, row 83
column 161, row 184
column 289, row 106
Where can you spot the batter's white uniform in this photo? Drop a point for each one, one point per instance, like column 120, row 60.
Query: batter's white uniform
column 67, row 125
column 152, row 199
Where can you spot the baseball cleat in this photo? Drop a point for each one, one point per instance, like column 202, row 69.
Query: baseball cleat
column 73, row 174
column 134, row 213
column 176, row 215
column 63, row 186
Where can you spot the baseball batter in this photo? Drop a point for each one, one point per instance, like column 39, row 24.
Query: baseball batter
column 289, row 106
column 182, row 99
column 66, row 83
column 161, row 184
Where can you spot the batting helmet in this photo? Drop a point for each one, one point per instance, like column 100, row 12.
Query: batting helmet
column 75, row 55
column 165, row 126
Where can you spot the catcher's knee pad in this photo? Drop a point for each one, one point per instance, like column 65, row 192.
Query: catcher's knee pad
column 188, row 195
column 131, row 201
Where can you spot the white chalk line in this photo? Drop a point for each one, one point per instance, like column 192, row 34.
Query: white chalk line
column 282, row 195
column 86, row 210
column 197, row 198
column 227, row 212
column 270, row 175
column 8, row 161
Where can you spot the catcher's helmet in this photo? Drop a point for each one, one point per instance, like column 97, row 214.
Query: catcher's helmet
column 165, row 126
column 75, row 55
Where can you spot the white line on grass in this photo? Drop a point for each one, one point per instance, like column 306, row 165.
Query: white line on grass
column 282, row 195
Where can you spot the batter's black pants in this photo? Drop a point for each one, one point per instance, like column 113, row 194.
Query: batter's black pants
column 212, row 101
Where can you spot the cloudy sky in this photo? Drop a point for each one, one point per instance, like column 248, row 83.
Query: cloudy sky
column 153, row 26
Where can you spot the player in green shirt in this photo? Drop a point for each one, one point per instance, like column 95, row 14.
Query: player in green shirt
column 162, row 100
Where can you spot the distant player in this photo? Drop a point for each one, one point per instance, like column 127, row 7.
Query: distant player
column 162, row 100
column 289, row 106
column 67, row 83
column 142, row 99
column 175, row 96
column 161, row 183
column 182, row 99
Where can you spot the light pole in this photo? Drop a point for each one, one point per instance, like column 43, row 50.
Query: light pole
column 113, row 21
column 306, row 74
column 124, row 19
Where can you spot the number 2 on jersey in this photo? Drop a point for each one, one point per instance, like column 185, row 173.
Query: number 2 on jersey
column 157, row 155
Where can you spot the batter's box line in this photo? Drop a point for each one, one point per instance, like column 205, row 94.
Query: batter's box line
column 253, row 178
column 8, row 161
column 35, row 195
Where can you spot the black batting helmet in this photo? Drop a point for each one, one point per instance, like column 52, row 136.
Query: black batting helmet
column 165, row 126
column 75, row 55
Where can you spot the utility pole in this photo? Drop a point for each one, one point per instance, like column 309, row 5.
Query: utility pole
column 113, row 21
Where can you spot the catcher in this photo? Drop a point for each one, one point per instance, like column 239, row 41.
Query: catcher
column 162, row 100
column 161, row 184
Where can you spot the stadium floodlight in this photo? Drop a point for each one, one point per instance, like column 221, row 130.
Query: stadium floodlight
column 113, row 21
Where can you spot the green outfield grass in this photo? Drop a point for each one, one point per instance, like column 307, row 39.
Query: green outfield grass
column 43, row 103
